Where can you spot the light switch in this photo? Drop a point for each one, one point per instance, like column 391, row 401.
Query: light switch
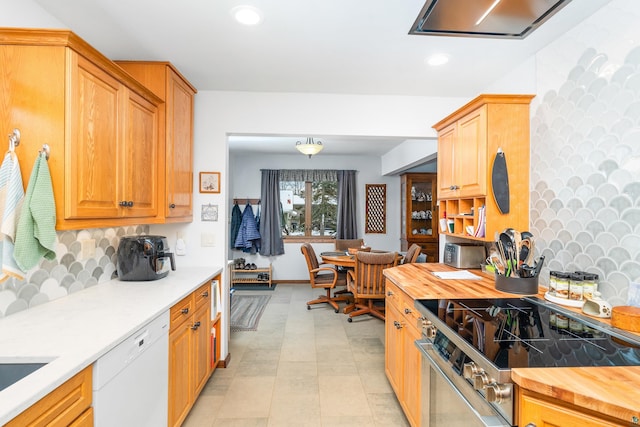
column 87, row 249
column 207, row 239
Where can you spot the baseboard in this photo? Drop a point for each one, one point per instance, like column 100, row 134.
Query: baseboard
column 293, row 282
column 223, row 363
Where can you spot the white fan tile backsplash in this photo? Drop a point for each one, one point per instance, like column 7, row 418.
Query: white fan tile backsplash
column 67, row 273
column 585, row 155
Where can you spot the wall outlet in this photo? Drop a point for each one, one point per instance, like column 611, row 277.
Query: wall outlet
column 207, row 239
column 87, row 249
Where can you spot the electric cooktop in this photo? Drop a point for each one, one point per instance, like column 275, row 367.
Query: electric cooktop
column 530, row 332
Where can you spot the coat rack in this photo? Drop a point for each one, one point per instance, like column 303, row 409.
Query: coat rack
column 245, row 201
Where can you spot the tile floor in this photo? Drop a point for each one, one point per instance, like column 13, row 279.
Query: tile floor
column 301, row 368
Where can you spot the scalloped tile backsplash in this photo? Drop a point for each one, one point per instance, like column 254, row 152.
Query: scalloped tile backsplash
column 585, row 165
column 68, row 273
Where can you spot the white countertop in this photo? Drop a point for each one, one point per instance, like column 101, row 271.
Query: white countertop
column 74, row 331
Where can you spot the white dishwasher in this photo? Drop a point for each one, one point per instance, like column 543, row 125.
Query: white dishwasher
column 130, row 382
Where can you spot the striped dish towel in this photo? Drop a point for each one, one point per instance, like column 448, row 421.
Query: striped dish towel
column 36, row 234
column 11, row 198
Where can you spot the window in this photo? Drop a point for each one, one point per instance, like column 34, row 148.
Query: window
column 309, row 208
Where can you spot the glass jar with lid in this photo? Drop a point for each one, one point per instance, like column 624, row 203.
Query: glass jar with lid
column 575, row 287
column 562, row 285
column 553, row 282
column 589, row 285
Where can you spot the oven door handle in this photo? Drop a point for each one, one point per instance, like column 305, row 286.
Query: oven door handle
column 425, row 348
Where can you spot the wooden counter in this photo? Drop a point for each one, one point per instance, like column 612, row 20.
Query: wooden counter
column 418, row 281
column 611, row 391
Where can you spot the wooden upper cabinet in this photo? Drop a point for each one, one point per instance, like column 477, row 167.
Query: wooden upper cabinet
column 140, row 191
column 176, row 135
column 100, row 123
column 468, row 141
column 95, row 146
column 471, row 155
column 447, row 176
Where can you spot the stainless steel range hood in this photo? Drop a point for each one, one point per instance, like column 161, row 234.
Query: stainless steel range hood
column 469, row 18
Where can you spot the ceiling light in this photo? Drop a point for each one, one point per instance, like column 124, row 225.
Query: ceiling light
column 437, row 59
column 247, row 15
column 309, row 147
column 488, row 11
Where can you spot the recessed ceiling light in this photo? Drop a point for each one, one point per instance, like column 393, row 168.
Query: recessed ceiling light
column 247, row 15
column 437, row 59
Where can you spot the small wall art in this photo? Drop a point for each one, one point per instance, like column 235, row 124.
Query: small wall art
column 209, row 213
column 209, row 182
column 376, row 208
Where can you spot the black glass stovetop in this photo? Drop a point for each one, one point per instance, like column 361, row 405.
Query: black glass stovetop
column 530, row 332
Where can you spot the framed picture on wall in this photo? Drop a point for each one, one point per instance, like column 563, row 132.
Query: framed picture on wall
column 209, row 213
column 209, row 182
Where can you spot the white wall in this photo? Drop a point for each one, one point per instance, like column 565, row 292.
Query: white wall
column 245, row 179
column 219, row 114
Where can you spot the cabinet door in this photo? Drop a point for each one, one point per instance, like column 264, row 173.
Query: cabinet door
column 180, row 367
column 393, row 348
column 546, row 414
column 470, row 154
column 179, row 148
column 141, row 157
column 446, row 167
column 201, row 348
column 94, row 145
column 411, row 376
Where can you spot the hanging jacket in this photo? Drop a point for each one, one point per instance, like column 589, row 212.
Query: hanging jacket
column 236, row 219
column 248, row 238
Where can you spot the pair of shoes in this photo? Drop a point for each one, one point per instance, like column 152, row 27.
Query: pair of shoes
column 251, row 266
column 263, row 277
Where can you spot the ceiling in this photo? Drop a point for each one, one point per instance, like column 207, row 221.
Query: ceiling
column 308, row 46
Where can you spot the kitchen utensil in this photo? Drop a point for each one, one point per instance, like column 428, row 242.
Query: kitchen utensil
column 507, row 244
column 500, row 182
column 526, row 235
column 523, row 253
column 538, row 266
column 597, row 307
column 517, row 244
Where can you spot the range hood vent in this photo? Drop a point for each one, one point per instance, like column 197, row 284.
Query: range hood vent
column 512, row 19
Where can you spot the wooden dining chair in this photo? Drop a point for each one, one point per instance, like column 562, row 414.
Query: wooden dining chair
column 345, row 244
column 367, row 283
column 323, row 276
column 412, row 254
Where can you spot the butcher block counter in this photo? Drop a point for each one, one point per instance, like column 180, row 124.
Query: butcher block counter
column 610, row 391
column 418, row 281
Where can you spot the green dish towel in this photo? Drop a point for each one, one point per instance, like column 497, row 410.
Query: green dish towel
column 36, row 232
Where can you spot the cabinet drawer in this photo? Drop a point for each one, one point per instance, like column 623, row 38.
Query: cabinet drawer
column 60, row 407
column 202, row 295
column 393, row 295
column 181, row 312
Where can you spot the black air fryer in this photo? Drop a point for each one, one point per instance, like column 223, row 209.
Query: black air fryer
column 143, row 258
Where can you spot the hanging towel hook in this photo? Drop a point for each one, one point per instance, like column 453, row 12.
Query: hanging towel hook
column 46, row 150
column 14, row 138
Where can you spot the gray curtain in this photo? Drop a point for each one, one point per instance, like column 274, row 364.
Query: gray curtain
column 347, row 216
column 270, row 225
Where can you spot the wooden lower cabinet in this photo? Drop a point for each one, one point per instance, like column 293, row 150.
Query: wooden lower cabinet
column 67, row 405
column 189, row 352
column 402, row 357
column 536, row 410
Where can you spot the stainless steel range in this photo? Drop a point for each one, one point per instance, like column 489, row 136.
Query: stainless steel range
column 471, row 345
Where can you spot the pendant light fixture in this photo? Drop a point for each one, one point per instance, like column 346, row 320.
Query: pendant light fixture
column 309, row 147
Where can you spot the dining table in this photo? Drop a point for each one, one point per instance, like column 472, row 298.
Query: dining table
column 345, row 259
